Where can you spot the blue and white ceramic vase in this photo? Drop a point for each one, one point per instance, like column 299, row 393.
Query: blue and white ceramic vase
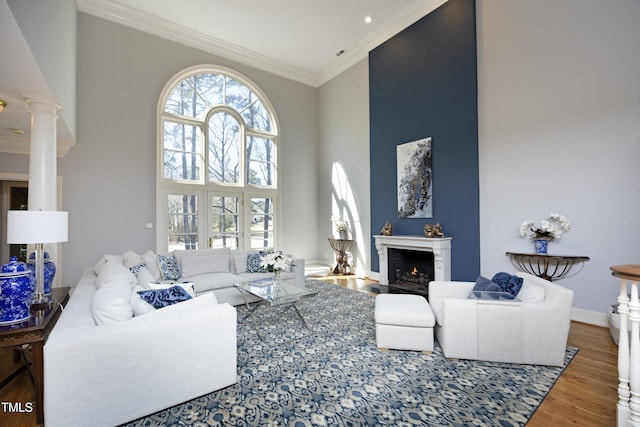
column 542, row 245
column 49, row 270
column 17, row 286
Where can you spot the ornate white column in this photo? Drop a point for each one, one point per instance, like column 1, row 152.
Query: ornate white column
column 42, row 154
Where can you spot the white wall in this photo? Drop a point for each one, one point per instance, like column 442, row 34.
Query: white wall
column 109, row 183
column 559, row 130
column 343, row 158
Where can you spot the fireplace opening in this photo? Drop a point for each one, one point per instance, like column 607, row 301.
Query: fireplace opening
column 410, row 271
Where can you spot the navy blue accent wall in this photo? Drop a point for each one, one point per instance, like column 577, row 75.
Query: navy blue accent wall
column 423, row 83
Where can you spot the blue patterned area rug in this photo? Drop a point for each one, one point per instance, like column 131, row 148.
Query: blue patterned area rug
column 334, row 375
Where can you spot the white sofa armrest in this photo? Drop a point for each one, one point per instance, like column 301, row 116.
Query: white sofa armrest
column 297, row 266
column 162, row 358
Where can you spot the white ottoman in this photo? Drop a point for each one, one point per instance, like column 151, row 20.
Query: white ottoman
column 404, row 322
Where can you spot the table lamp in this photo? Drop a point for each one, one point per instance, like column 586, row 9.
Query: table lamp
column 37, row 227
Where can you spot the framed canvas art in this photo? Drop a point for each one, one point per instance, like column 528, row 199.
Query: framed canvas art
column 414, row 179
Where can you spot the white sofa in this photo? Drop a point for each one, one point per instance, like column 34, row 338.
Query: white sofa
column 122, row 370
column 218, row 269
column 531, row 331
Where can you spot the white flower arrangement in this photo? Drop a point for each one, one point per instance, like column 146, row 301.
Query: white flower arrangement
column 550, row 228
column 275, row 261
column 342, row 226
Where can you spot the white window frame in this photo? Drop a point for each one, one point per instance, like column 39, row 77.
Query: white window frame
column 202, row 188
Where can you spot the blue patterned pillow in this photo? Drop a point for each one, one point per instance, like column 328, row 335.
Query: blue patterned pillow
column 483, row 285
column 253, row 263
column 169, row 267
column 508, row 282
column 136, row 269
column 163, row 297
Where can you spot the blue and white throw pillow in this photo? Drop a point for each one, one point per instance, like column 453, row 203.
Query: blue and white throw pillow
column 164, row 297
column 508, row 282
column 253, row 263
column 169, row 267
column 484, row 285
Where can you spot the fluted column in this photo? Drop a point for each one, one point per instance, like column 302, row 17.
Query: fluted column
column 42, row 154
column 43, row 164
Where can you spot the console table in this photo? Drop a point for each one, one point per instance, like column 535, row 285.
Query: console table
column 548, row 267
column 341, row 247
column 34, row 332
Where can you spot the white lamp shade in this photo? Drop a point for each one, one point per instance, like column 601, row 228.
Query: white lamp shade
column 37, row 226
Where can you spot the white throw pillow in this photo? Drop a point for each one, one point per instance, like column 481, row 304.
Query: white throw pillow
column 531, row 292
column 138, row 305
column 151, row 261
column 115, row 273
column 188, row 286
column 131, row 259
column 112, row 304
column 240, row 263
column 192, row 266
column 144, row 277
column 107, row 259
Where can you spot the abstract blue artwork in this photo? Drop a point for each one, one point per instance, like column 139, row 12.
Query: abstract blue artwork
column 414, row 179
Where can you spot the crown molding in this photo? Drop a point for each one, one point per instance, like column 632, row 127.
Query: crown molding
column 16, row 144
column 162, row 28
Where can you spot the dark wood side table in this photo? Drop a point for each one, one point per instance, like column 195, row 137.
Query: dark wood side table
column 548, row 267
column 35, row 332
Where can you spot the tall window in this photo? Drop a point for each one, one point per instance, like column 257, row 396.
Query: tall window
column 217, row 162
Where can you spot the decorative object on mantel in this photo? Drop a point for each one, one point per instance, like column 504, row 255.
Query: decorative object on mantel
column 386, row 230
column 433, row 230
column 549, row 229
column 414, row 179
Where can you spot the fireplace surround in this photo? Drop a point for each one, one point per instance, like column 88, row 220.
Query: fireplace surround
column 439, row 247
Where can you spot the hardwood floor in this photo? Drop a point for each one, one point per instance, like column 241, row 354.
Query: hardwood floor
column 585, row 394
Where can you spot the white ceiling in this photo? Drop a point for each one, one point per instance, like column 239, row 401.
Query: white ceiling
column 296, row 39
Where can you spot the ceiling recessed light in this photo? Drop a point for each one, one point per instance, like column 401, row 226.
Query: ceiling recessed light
column 3, row 104
column 368, row 19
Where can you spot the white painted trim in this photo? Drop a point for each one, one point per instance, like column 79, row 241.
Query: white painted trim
column 591, row 317
column 15, row 144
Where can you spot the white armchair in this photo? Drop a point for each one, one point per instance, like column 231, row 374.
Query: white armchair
column 533, row 330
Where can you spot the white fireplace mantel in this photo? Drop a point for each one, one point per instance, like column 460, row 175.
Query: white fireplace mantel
column 441, row 248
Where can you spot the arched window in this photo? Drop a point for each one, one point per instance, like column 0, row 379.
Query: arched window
column 217, row 162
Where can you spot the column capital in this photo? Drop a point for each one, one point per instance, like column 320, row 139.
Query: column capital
column 42, row 103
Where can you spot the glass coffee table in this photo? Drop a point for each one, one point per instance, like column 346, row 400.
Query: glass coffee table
column 271, row 294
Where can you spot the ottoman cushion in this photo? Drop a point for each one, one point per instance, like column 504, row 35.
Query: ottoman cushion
column 404, row 310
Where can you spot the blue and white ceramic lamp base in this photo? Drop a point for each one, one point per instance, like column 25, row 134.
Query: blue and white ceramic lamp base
column 17, row 285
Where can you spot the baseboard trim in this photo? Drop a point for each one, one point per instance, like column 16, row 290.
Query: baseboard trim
column 591, row 317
